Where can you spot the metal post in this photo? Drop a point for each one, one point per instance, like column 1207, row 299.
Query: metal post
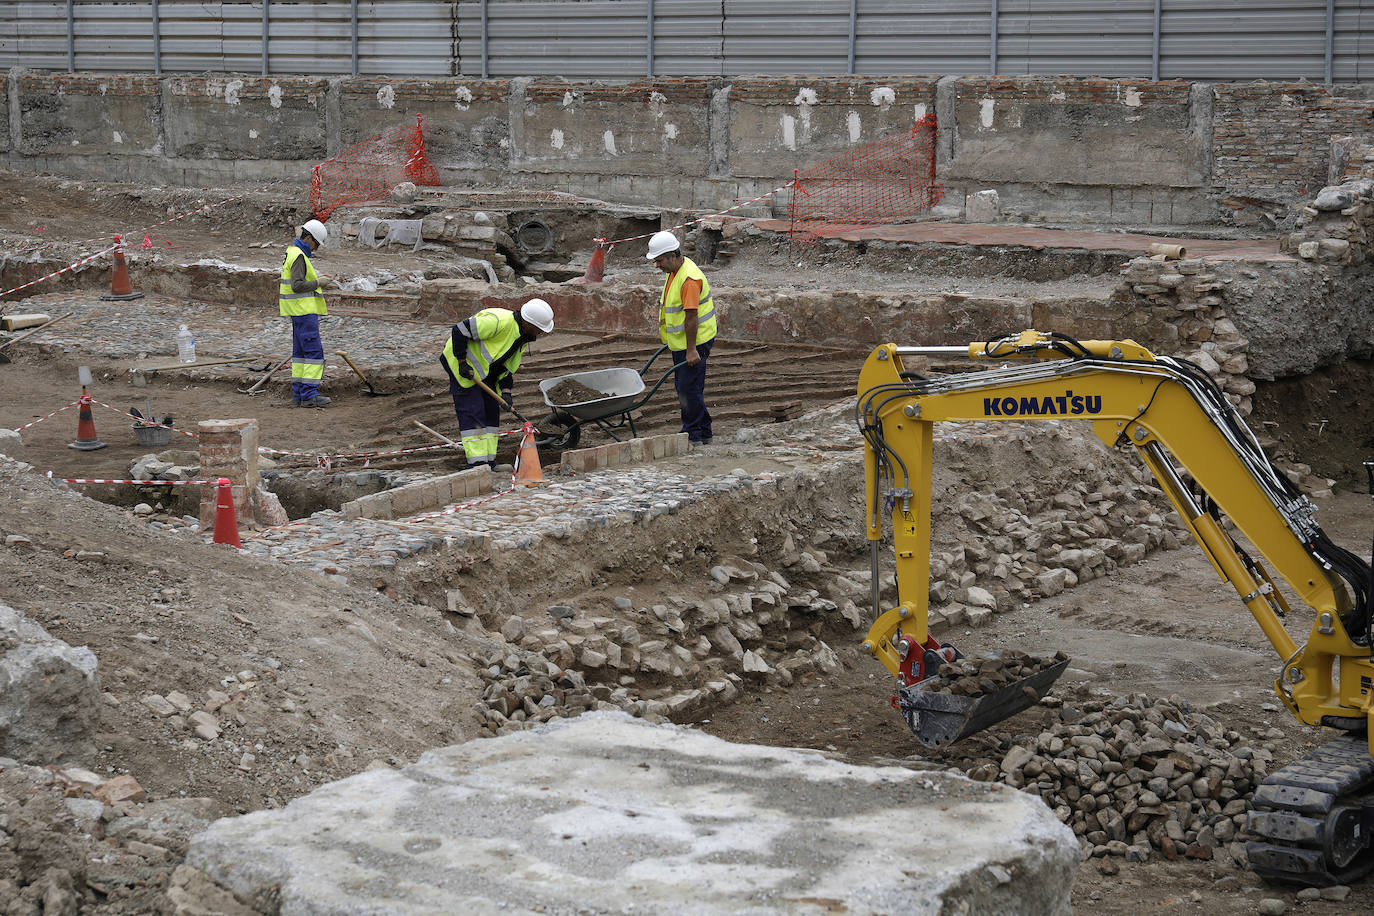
column 484, row 39
column 71, row 36
column 1330, row 39
column 353, row 43
column 853, row 32
column 266, row 18
column 1154, row 49
column 992, row 53
column 157, row 41
column 649, row 39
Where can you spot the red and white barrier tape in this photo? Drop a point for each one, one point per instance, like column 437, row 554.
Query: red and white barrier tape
column 451, row 510
column 692, row 222
column 53, row 414
column 148, row 483
column 55, row 273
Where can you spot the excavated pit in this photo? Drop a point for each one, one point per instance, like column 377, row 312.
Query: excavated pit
column 690, row 596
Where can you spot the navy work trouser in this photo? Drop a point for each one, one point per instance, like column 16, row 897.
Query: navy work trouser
column 690, row 382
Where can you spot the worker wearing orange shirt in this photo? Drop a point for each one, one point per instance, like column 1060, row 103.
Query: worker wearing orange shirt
column 687, row 324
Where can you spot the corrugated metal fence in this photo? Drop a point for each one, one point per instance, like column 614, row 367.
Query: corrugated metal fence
column 1319, row 40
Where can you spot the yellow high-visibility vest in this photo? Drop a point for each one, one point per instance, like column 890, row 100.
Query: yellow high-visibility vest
column 299, row 303
column 672, row 316
column 497, row 331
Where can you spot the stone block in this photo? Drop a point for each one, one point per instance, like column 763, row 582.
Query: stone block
column 12, row 444
column 408, row 500
column 992, row 831
column 50, row 705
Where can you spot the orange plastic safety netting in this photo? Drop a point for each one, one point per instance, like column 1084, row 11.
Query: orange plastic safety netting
column 370, row 169
column 891, row 180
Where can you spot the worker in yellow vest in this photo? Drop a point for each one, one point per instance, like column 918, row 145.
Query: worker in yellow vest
column 300, row 300
column 489, row 346
column 687, row 324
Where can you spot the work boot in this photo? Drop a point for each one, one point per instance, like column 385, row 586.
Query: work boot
column 318, row 400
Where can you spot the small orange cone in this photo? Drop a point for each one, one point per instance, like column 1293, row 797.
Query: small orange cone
column 226, row 522
column 86, row 440
column 596, row 270
column 528, row 473
column 120, row 287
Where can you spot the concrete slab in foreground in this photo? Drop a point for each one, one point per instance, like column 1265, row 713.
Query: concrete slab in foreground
column 608, row 814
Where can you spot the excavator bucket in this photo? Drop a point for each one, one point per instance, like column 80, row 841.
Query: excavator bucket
column 937, row 719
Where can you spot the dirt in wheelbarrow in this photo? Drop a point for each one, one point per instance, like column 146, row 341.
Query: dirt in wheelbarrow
column 571, row 391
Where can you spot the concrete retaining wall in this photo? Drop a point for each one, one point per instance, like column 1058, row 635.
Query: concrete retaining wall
column 1095, row 150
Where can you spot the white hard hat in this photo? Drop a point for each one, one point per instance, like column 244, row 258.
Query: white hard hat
column 538, row 313
column 317, row 231
column 662, row 243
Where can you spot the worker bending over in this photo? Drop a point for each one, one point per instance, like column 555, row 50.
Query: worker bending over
column 489, row 346
column 687, row 324
column 300, row 299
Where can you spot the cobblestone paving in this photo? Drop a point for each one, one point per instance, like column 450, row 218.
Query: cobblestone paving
column 144, row 329
column 565, row 507
column 520, row 518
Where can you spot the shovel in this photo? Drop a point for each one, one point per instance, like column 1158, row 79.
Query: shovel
column 263, row 381
column 496, row 397
column 369, row 390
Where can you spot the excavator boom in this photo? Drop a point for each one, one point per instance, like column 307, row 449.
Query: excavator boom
column 1213, row 470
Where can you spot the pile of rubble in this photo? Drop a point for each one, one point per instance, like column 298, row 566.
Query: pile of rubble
column 1134, row 775
column 1014, row 545
column 969, row 677
column 667, row 660
column 72, row 841
column 1192, row 298
column 1337, row 227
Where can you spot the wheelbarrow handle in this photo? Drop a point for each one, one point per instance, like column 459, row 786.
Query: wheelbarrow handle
column 487, row 388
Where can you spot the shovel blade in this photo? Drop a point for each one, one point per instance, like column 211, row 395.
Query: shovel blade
column 937, row 719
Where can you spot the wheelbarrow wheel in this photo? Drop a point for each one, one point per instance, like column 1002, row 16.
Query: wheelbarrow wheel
column 558, row 431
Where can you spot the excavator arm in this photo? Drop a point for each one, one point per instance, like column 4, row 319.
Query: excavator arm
column 1211, row 467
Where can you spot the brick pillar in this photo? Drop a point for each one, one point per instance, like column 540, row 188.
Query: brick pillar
column 229, row 448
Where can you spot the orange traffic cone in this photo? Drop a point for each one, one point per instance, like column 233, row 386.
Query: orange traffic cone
column 226, row 522
column 528, row 473
column 86, row 440
column 120, row 287
column 596, row 270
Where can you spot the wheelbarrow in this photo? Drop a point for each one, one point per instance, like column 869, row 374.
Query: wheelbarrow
column 625, row 393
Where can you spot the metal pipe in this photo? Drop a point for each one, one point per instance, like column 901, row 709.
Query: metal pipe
column 485, row 36
column 873, row 547
column 266, row 18
column 353, row 36
column 649, row 39
column 1154, row 49
column 853, row 32
column 157, row 41
column 71, row 36
column 1330, row 39
column 992, row 53
column 933, row 351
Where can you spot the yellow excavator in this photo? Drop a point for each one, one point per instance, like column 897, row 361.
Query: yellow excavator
column 1312, row 820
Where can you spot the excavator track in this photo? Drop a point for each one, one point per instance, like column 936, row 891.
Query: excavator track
column 1309, row 818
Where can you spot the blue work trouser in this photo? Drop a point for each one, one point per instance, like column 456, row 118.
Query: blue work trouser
column 307, row 356
column 690, row 382
column 479, row 418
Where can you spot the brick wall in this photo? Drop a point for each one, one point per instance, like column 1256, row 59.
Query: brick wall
column 1272, row 141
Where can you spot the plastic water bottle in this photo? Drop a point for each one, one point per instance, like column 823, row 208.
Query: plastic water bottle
column 186, row 346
